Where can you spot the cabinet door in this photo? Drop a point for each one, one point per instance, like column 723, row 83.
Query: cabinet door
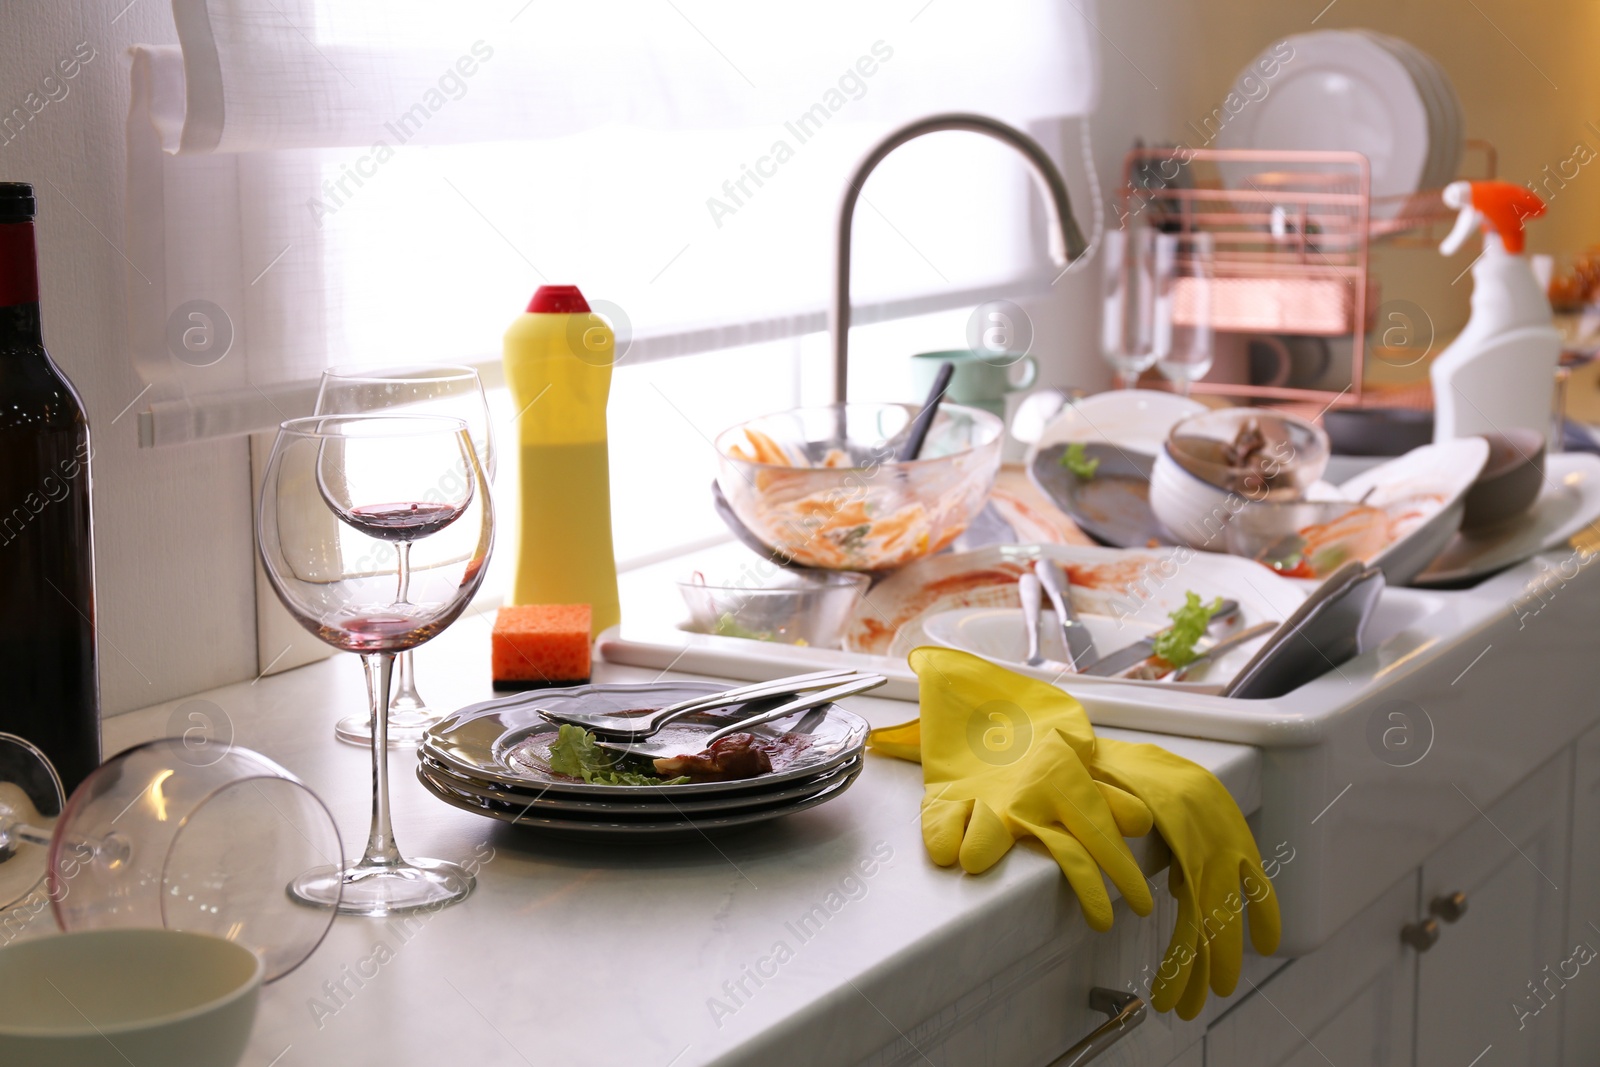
column 1582, row 1042
column 1476, row 987
column 1350, row 1002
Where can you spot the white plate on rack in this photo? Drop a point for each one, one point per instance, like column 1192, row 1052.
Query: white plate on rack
column 1569, row 501
column 1341, row 91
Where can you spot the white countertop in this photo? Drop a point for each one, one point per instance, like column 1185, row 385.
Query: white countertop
column 578, row 953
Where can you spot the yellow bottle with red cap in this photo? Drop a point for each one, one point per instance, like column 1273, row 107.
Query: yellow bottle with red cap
column 1499, row 372
column 558, row 358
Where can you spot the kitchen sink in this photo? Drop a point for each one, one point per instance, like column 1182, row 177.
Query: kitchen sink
column 1366, row 768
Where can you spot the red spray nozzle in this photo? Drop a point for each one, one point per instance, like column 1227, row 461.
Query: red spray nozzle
column 1499, row 206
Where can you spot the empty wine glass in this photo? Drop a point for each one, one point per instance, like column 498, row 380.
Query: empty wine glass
column 425, row 389
column 1183, row 312
column 163, row 835
column 340, row 492
column 1135, row 323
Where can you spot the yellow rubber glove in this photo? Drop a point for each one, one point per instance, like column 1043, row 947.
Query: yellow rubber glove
column 1004, row 758
column 1216, row 873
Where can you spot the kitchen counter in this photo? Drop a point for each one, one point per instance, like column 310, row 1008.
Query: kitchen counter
column 587, row 953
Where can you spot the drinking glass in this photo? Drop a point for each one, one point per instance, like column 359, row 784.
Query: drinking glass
column 374, row 531
column 1135, row 323
column 1183, row 311
column 168, row 834
column 424, row 389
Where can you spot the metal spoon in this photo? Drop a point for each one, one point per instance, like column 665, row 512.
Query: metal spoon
column 801, row 703
column 1031, row 592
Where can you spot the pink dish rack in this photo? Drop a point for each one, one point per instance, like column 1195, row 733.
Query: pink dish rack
column 1292, row 244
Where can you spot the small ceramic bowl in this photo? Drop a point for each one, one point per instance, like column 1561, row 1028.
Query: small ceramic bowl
column 1510, row 480
column 1289, row 457
column 1192, row 510
column 107, row 998
column 796, row 607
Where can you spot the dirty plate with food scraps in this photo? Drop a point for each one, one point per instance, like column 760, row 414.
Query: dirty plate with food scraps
column 1423, row 493
column 1568, row 501
column 1131, row 592
column 506, row 742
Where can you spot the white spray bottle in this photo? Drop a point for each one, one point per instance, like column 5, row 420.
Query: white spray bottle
column 1499, row 373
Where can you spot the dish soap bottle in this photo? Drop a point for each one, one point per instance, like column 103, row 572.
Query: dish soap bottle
column 1499, row 373
column 558, row 357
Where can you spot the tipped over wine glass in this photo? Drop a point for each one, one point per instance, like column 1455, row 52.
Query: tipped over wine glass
column 424, row 389
column 374, row 531
column 169, row 834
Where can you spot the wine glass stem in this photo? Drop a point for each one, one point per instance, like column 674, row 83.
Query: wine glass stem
column 1127, row 379
column 406, row 697
column 381, row 850
column 404, row 571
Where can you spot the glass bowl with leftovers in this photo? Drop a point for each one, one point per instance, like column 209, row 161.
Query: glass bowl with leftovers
column 1307, row 538
column 822, row 485
column 794, row 607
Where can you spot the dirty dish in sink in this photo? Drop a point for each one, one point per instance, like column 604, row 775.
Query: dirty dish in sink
column 1307, row 538
column 1424, row 494
column 1568, row 501
column 821, row 485
column 1132, row 590
column 997, row 635
column 1111, row 503
column 795, row 607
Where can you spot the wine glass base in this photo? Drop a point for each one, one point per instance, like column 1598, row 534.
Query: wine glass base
column 379, row 890
column 406, row 728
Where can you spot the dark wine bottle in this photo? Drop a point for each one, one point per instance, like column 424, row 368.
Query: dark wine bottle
column 50, row 692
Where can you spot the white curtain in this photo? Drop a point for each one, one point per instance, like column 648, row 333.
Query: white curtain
column 387, row 181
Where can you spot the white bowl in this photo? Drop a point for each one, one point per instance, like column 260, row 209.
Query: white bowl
column 1193, row 510
column 107, row 998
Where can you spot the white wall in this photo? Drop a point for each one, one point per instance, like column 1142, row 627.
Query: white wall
column 175, row 597
column 173, row 540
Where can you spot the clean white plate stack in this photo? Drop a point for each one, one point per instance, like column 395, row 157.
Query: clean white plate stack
column 1350, row 90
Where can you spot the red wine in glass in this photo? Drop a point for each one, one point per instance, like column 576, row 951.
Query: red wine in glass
column 402, row 522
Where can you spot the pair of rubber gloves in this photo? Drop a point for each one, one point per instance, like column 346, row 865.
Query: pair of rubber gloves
column 1007, row 757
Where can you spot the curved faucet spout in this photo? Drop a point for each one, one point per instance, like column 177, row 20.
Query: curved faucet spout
column 1066, row 240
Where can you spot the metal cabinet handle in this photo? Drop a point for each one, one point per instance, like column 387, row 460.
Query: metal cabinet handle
column 1126, row 1010
column 1420, row 936
column 1450, row 908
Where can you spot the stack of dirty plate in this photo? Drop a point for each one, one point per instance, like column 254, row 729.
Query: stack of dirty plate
column 492, row 759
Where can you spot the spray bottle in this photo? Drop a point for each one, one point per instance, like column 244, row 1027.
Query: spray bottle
column 1499, row 373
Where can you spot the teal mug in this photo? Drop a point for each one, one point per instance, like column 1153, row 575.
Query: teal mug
column 982, row 379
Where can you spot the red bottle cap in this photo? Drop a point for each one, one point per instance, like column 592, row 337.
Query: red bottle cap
column 557, row 300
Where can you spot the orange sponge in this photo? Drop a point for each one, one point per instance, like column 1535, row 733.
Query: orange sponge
column 540, row 644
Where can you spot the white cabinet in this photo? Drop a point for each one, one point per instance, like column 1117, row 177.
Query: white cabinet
column 1581, row 1044
column 1476, row 986
column 1350, row 1002
column 1495, row 914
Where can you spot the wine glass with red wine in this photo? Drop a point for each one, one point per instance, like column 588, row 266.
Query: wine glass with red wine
column 423, row 389
column 374, row 531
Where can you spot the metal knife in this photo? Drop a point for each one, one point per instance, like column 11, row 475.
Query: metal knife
column 1074, row 634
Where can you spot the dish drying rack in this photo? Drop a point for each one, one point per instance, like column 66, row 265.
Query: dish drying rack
column 1292, row 246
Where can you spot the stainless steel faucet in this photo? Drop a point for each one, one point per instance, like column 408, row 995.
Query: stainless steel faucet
column 1066, row 240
